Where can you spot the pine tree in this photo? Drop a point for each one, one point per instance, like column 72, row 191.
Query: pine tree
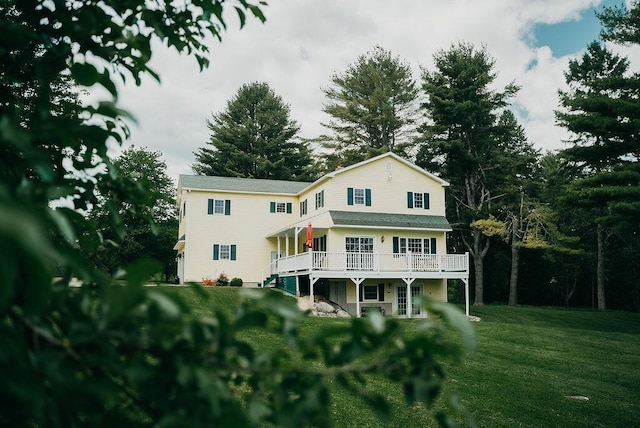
column 460, row 141
column 373, row 109
column 254, row 138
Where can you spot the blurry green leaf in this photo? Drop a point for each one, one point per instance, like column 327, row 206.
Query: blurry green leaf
column 166, row 304
column 85, row 74
column 457, row 321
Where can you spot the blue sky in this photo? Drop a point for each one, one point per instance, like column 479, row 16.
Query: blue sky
column 569, row 37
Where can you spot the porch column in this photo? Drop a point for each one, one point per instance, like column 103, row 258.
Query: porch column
column 295, row 240
column 409, row 281
column 297, row 286
column 466, row 284
column 286, row 244
column 279, row 250
column 357, row 282
column 466, row 296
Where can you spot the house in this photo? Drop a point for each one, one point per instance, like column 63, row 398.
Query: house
column 370, row 236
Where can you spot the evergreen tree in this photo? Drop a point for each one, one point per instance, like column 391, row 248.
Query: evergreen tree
column 460, row 141
column 254, row 138
column 601, row 109
column 373, row 108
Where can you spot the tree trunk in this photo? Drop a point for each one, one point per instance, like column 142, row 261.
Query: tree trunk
column 513, row 281
column 478, row 253
column 600, row 269
column 515, row 261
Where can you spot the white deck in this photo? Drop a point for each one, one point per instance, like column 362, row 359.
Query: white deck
column 344, row 265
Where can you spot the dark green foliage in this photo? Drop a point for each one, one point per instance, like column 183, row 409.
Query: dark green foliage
column 235, row 282
column 148, row 230
column 462, row 141
column 254, row 138
column 373, row 109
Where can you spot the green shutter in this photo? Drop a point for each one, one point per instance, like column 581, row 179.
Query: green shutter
column 425, row 201
column 433, row 245
column 350, row 196
column 367, row 197
column 409, row 199
column 233, row 252
column 361, row 297
column 216, row 252
column 227, row 207
column 272, row 207
column 289, row 208
column 210, row 207
column 396, row 245
column 381, row 292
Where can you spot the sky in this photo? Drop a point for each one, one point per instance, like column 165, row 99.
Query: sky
column 304, row 42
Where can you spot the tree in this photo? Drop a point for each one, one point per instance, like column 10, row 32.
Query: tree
column 106, row 354
column 149, row 230
column 373, row 109
column 460, row 141
column 254, row 138
column 600, row 109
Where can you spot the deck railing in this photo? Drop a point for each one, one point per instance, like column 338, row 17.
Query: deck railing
column 375, row 262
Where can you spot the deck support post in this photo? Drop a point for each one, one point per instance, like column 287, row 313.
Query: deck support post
column 357, row 282
column 312, row 282
column 409, row 281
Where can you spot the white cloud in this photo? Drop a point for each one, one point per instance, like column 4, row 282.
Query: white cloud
column 303, row 43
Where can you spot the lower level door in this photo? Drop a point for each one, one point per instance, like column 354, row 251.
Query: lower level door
column 402, row 301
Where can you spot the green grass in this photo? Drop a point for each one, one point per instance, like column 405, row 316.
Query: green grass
column 529, row 361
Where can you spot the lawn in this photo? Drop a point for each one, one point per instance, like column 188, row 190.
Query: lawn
column 535, row 367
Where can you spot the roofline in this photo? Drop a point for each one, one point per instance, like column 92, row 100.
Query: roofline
column 373, row 159
column 329, row 176
column 244, row 192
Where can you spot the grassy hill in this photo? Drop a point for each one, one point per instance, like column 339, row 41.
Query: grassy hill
column 535, row 367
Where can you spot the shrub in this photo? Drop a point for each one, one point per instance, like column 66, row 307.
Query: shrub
column 223, row 280
column 207, row 282
column 236, row 282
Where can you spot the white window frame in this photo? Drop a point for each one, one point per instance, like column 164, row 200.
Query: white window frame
column 281, row 207
column 224, row 249
column 218, row 206
column 320, row 199
column 418, row 200
column 409, row 244
column 359, row 197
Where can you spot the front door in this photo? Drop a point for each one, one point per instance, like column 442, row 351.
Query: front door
column 359, row 252
column 402, row 301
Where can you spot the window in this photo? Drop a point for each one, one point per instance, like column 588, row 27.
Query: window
column 303, row 208
column 372, row 292
column 224, row 252
column 417, row 200
column 414, row 245
column 356, row 196
column 320, row 199
column 280, row 207
column 219, row 206
column 184, row 209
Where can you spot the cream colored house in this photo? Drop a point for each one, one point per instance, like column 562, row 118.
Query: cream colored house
column 371, row 236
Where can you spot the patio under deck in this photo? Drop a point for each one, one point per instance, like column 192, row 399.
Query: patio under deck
column 361, row 266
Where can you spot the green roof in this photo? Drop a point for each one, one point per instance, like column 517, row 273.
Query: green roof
column 235, row 184
column 403, row 221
